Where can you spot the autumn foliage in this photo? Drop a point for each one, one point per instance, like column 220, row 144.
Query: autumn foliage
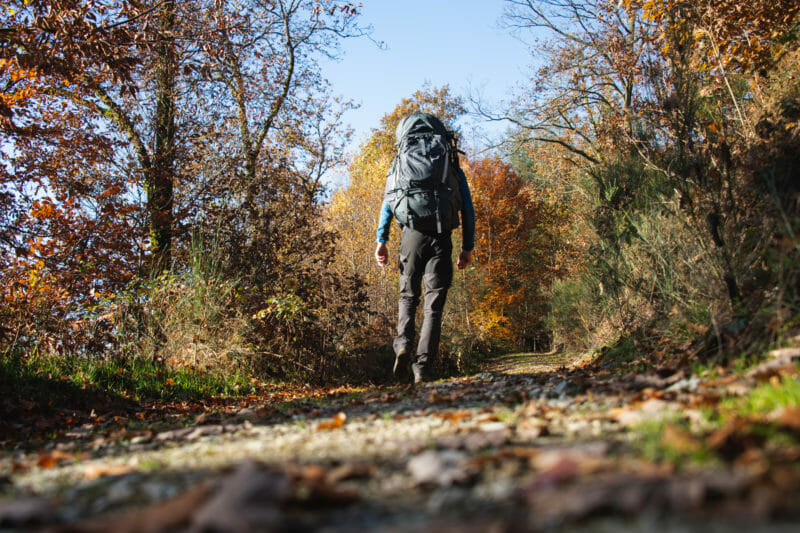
column 515, row 251
column 678, row 118
column 142, row 138
column 164, row 191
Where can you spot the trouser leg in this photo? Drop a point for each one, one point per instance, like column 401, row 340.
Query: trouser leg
column 438, row 277
column 412, row 268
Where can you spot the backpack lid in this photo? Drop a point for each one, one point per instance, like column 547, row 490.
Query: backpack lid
column 419, row 123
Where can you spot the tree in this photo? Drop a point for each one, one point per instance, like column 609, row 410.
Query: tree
column 60, row 41
column 733, row 35
column 66, row 232
column 260, row 60
column 113, row 139
column 584, row 96
column 517, row 249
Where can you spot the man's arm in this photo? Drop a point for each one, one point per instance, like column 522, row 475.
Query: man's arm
column 384, row 230
column 384, row 223
column 467, row 223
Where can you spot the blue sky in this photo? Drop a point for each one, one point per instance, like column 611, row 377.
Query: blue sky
column 454, row 42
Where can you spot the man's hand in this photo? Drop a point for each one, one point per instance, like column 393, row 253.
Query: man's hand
column 382, row 254
column 464, row 258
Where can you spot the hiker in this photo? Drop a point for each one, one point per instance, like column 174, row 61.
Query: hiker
column 426, row 192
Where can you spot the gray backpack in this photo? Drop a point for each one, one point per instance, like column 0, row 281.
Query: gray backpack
column 422, row 185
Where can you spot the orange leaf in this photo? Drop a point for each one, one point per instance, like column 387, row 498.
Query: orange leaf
column 334, row 423
column 52, row 458
column 454, row 416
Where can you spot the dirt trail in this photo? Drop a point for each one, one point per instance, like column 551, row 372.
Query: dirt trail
column 528, row 363
column 523, row 445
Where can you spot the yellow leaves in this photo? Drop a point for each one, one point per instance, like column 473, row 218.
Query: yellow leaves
column 489, row 319
column 737, row 35
column 652, row 10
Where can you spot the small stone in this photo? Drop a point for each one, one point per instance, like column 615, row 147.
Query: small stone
column 685, row 385
column 438, row 468
column 141, row 439
column 785, row 353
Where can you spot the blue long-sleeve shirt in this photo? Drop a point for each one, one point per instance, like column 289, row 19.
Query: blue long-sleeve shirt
column 467, row 217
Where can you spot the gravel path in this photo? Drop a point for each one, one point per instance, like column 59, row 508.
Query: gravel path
column 517, row 447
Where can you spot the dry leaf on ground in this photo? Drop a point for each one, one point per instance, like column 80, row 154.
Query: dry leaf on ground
column 334, row 423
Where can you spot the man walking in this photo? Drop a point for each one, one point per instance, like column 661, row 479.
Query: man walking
column 427, row 193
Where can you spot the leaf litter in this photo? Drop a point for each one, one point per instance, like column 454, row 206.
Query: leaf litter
column 502, row 450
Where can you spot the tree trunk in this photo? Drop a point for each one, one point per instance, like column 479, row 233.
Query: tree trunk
column 159, row 180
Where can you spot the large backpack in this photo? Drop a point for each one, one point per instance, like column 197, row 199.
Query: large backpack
column 422, row 186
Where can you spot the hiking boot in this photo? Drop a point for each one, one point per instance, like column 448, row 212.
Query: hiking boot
column 419, row 375
column 402, row 364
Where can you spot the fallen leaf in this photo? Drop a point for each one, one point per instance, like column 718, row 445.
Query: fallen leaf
column 97, row 471
column 698, row 329
column 436, row 398
column 678, row 439
column 312, row 472
column 558, row 463
column 562, row 469
column 169, row 515
column 247, row 500
column 519, row 452
column 781, row 362
column 788, row 417
column 350, row 471
column 650, row 410
column 334, row 423
column 720, row 437
column 52, row 458
column 530, row 428
column 454, row 416
column 324, row 494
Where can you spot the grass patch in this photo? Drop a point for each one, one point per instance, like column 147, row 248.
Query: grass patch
column 766, row 398
column 52, row 381
column 672, row 441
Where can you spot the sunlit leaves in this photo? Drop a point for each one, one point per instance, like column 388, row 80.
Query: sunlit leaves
column 515, row 249
column 731, row 34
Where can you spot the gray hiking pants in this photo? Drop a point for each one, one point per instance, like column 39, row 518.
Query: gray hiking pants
column 428, row 258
